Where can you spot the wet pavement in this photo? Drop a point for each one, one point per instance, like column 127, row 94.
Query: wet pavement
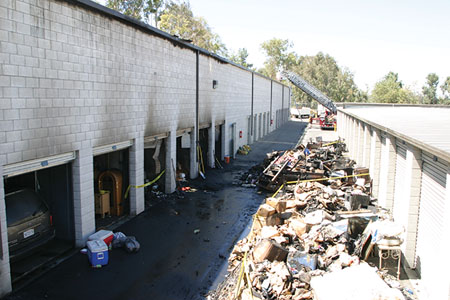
column 174, row 262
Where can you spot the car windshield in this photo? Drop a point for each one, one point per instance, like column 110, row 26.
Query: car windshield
column 22, row 204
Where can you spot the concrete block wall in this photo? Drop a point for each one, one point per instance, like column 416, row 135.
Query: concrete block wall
column 392, row 163
column 74, row 77
column 213, row 101
column 83, row 195
column 277, row 92
column 364, row 145
column 77, row 78
column 84, row 83
column 367, row 146
column 171, row 161
column 136, row 161
column 360, row 143
column 375, row 159
column 261, row 102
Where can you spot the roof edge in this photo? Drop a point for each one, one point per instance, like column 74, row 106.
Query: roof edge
column 96, row 7
column 431, row 149
column 349, row 104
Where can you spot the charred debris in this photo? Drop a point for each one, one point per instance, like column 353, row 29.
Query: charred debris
column 313, row 237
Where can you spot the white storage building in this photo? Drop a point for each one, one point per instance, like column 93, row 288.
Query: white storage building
column 407, row 149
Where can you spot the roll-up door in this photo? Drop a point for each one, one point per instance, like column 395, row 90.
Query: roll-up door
column 429, row 250
column 37, row 164
column 401, row 193
column 384, row 167
column 111, row 147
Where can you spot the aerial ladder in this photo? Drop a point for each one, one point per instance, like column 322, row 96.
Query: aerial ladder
column 317, row 95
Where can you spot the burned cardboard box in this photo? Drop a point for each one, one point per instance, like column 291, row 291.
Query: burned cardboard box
column 270, row 250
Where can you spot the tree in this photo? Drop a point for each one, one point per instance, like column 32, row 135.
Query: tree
column 143, row 10
column 323, row 72
column 278, row 56
column 154, row 9
column 430, row 88
column 320, row 70
column 445, row 88
column 179, row 20
column 391, row 90
column 241, row 58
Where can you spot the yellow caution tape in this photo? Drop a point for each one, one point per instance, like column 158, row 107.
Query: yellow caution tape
column 318, row 179
column 276, row 193
column 143, row 185
column 327, row 178
column 249, row 283
column 332, row 143
column 241, row 274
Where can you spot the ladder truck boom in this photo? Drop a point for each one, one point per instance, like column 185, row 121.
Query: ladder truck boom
column 310, row 90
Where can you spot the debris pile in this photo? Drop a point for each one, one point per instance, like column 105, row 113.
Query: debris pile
column 313, row 161
column 249, row 178
column 310, row 228
column 244, row 150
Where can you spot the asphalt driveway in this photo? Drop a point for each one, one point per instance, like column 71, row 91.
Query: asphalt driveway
column 174, row 262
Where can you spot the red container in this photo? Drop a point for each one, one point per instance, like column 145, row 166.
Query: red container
column 103, row 235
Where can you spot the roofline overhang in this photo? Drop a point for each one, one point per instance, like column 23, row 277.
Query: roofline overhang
column 414, row 142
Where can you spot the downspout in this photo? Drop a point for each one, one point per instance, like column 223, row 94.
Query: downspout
column 197, row 97
column 253, row 87
column 282, row 104
column 289, row 104
column 271, row 97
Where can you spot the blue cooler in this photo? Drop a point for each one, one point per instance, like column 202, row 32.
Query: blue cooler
column 97, row 253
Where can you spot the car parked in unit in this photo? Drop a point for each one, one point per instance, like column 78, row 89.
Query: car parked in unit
column 29, row 222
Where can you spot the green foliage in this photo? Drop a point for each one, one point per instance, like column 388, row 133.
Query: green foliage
column 430, row 89
column 278, row 56
column 445, row 88
column 240, row 57
column 320, row 70
column 391, row 90
column 179, row 20
column 143, row 10
column 323, row 72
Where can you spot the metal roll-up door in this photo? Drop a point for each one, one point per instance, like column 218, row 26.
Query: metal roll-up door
column 384, row 167
column 111, row 147
column 401, row 192
column 37, row 164
column 431, row 230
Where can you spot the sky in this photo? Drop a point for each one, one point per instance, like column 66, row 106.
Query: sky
column 370, row 38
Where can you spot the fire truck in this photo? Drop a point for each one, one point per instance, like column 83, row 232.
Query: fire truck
column 327, row 120
column 326, row 108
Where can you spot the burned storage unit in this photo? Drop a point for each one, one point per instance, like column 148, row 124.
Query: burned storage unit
column 111, row 180
column 203, row 147
column 154, row 165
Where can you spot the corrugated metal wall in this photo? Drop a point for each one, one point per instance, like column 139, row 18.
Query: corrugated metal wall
column 429, row 251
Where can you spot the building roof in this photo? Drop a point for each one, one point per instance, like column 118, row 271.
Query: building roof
column 427, row 126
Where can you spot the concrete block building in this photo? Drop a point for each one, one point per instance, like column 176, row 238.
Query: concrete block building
column 91, row 98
